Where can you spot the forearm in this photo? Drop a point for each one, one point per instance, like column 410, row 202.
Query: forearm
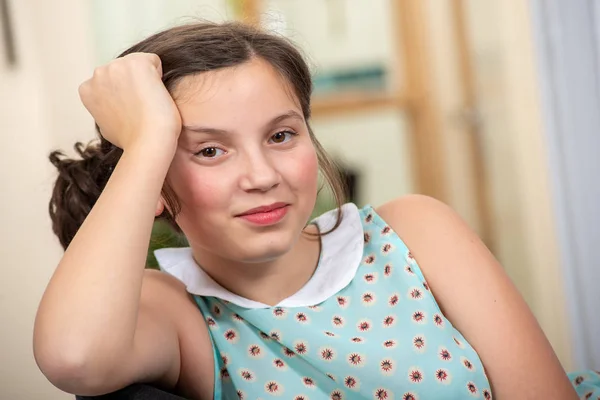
column 90, row 306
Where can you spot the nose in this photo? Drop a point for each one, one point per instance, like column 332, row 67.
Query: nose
column 259, row 173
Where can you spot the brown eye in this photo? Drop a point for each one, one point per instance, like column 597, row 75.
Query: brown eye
column 209, row 152
column 282, row 137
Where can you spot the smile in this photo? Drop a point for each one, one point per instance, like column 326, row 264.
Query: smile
column 265, row 215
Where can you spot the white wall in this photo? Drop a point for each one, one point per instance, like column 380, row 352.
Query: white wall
column 118, row 24
column 38, row 111
column 336, row 33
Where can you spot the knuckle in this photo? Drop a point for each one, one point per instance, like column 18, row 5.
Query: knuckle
column 150, row 58
column 82, row 89
column 153, row 57
column 98, row 71
column 85, row 92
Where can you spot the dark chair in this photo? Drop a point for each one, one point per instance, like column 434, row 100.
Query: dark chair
column 135, row 392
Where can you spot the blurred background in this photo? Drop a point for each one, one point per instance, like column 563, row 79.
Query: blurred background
column 489, row 106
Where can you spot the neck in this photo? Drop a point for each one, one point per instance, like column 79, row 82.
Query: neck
column 268, row 282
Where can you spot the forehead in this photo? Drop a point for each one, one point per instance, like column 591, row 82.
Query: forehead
column 247, row 92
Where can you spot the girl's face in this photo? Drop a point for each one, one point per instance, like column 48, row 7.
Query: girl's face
column 245, row 171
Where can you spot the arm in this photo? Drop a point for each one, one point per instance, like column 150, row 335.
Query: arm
column 478, row 297
column 88, row 317
column 92, row 333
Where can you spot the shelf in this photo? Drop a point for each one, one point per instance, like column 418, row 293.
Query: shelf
column 325, row 105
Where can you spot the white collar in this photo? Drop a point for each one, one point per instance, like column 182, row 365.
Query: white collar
column 341, row 254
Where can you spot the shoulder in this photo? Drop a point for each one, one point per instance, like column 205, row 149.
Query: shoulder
column 447, row 250
column 423, row 221
column 452, row 258
column 450, row 254
column 414, row 207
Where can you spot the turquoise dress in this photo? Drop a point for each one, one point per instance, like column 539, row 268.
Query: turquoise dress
column 365, row 326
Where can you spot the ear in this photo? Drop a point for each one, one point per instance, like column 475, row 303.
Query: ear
column 160, row 206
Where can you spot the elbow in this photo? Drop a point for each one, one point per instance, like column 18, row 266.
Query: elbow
column 74, row 364
column 74, row 373
column 68, row 376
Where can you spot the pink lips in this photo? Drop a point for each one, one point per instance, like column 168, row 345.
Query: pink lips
column 266, row 215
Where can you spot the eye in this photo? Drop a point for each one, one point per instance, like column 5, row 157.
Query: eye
column 210, row 152
column 282, row 137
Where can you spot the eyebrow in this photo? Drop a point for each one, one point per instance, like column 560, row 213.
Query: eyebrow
column 291, row 114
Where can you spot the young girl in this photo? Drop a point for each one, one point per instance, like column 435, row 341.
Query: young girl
column 207, row 125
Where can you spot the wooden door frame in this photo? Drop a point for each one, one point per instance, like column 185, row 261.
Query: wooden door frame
column 473, row 127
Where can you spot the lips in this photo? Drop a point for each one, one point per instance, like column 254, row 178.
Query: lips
column 263, row 209
column 265, row 215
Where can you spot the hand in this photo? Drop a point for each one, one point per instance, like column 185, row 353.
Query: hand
column 130, row 103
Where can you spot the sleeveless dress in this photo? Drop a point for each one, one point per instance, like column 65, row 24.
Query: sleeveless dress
column 365, row 326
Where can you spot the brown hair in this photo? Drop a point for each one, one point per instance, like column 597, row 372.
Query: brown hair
column 184, row 50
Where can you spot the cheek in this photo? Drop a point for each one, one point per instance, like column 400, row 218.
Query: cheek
column 198, row 192
column 203, row 194
column 302, row 173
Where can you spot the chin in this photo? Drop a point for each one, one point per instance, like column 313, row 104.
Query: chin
column 265, row 248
